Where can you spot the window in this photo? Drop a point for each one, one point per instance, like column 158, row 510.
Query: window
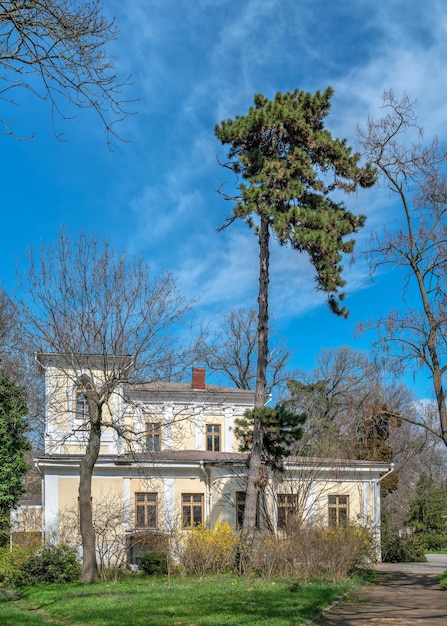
column 153, row 436
column 240, row 508
column 192, row 509
column 146, row 510
column 287, row 509
column 213, row 437
column 338, row 510
column 81, row 402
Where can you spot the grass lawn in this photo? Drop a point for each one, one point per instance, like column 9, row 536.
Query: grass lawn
column 212, row 601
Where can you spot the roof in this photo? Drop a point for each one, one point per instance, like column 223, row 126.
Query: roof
column 198, row 456
column 169, row 456
column 173, row 387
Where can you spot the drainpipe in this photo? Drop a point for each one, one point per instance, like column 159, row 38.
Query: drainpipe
column 390, row 471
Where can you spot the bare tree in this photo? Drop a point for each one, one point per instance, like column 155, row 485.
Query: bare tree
column 10, row 335
column 57, row 50
column 347, row 398
column 232, row 351
column 109, row 323
column 414, row 335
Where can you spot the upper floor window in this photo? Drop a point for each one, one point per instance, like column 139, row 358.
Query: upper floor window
column 213, row 437
column 146, row 510
column 153, row 436
column 338, row 511
column 287, row 509
column 192, row 509
column 81, row 403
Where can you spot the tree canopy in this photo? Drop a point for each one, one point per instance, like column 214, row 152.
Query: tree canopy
column 290, row 163
column 13, row 445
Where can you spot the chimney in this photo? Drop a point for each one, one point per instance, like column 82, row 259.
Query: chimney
column 198, row 378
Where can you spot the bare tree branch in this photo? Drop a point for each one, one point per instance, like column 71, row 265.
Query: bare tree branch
column 57, row 50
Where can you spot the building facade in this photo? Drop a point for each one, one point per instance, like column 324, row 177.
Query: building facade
column 169, row 460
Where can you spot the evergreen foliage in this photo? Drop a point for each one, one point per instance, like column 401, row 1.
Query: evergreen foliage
column 290, row 164
column 154, row 564
column 49, row 564
column 281, row 429
column 13, row 445
column 428, row 510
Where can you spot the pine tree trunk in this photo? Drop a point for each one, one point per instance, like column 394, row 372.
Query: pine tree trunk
column 89, row 571
column 255, row 473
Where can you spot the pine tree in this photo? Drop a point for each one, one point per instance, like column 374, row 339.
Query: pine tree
column 289, row 165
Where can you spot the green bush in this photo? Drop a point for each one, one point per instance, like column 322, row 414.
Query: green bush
column 404, row 549
column 50, row 564
column 154, row 564
column 433, row 542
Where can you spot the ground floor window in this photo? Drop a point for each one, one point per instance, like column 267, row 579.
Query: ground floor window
column 286, row 509
column 192, row 509
column 146, row 509
column 338, row 511
column 240, row 508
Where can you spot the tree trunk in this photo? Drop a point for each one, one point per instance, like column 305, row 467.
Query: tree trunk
column 89, row 571
column 255, row 482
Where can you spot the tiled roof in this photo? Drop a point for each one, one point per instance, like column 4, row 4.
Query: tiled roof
column 184, row 387
column 171, row 456
column 196, row 456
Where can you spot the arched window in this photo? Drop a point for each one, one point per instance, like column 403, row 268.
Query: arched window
column 81, row 404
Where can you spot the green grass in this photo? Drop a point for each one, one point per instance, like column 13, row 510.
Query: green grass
column 443, row 580
column 213, row 601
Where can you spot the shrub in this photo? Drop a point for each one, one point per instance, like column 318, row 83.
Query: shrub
column 433, row 542
column 403, row 549
column 314, row 551
column 205, row 551
column 49, row 564
column 11, row 561
column 154, row 564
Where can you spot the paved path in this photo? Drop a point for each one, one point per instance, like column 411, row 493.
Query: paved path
column 409, row 594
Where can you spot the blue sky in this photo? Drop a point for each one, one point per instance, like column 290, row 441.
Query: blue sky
column 194, row 64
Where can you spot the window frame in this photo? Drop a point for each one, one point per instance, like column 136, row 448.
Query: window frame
column 240, row 499
column 149, row 506
column 286, row 508
column 240, row 508
column 213, row 435
column 188, row 513
column 81, row 409
column 153, row 434
column 335, row 508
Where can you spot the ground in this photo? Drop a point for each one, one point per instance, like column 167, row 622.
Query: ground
column 407, row 593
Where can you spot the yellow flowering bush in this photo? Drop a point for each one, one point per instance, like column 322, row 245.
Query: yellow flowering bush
column 209, row 551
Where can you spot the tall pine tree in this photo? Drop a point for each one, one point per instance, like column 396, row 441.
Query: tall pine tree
column 290, row 165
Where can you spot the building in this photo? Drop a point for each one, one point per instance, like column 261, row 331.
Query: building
column 169, row 459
